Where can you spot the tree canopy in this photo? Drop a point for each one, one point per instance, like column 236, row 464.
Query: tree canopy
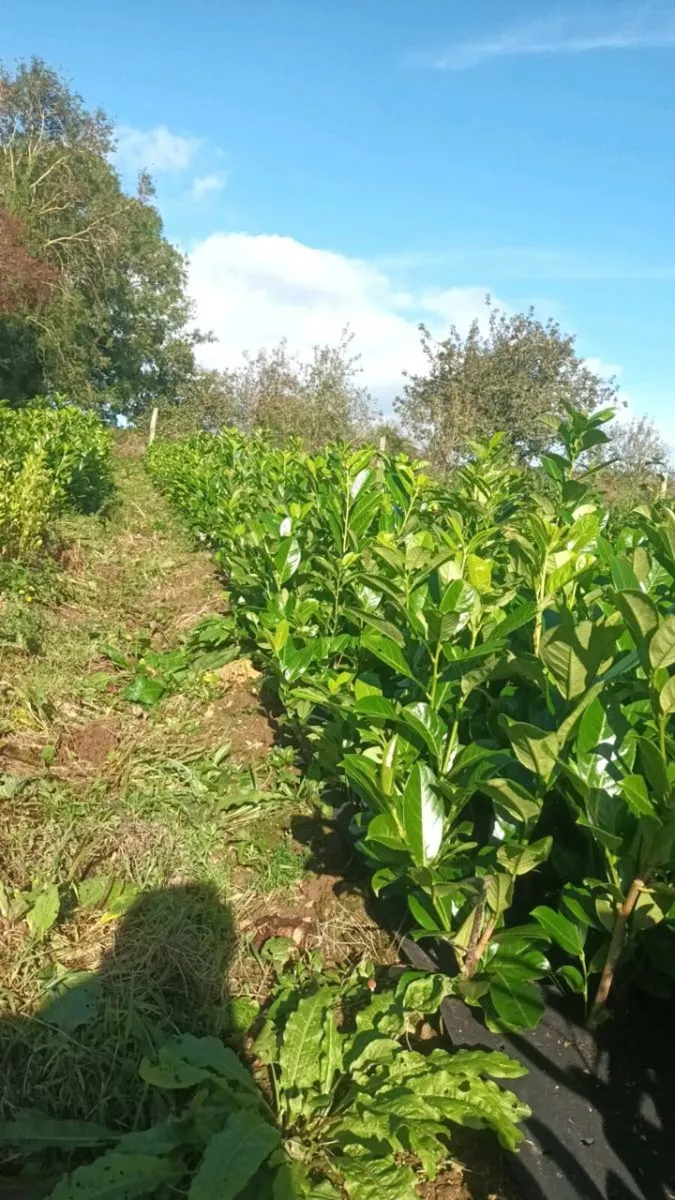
column 318, row 399
column 114, row 329
column 514, row 377
column 638, row 463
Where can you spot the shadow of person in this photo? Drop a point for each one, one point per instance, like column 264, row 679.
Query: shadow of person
column 166, row 972
column 78, row 1056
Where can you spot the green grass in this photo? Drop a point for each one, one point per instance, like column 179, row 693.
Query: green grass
column 165, row 968
column 180, row 838
column 275, row 863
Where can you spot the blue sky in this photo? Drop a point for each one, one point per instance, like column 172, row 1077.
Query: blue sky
column 378, row 162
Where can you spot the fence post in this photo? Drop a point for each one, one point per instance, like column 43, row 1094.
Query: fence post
column 383, row 444
column 153, row 426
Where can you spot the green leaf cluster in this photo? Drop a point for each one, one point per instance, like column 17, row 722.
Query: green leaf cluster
column 53, row 457
column 342, row 1103
column 486, row 665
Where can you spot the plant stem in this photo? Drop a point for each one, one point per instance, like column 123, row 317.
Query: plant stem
column 475, row 933
column 663, row 721
column 434, row 679
column 450, row 745
column 539, row 618
column 614, row 951
column 472, row 960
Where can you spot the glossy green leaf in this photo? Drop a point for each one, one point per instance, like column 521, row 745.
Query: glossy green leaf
column 287, row 559
column 524, row 963
column 667, row 696
column 593, row 728
column 579, row 902
column 423, row 815
column 520, row 860
column 512, row 796
column 359, row 481
column 565, row 933
column 363, row 775
column 386, row 628
column 499, row 892
column 634, row 792
column 639, row 612
column 424, row 914
column 451, row 596
column 388, row 766
column 479, row 572
column 662, row 645
column 384, row 829
column 653, row 766
column 517, row 1003
column 572, row 977
column 623, row 575
column 566, row 659
column 387, row 651
column 516, row 619
column 376, row 706
column 534, row 748
column 427, row 724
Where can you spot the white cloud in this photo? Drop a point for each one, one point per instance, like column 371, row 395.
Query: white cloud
column 621, row 27
column 608, row 370
column 208, row 185
column 156, row 149
column 459, row 306
column 253, row 290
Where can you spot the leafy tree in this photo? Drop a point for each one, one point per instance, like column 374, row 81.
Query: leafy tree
column 115, row 331
column 209, row 401
column 638, row 462
column 25, row 288
column 318, row 399
column 25, row 282
column 514, row 378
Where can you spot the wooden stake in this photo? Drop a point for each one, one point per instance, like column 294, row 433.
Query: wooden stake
column 153, row 426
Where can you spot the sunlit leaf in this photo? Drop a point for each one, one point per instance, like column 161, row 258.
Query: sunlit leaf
column 423, row 815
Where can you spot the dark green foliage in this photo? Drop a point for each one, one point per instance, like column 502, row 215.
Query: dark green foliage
column 483, row 667
column 113, row 330
column 518, row 376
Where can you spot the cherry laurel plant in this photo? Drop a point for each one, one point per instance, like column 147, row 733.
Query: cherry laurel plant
column 486, row 664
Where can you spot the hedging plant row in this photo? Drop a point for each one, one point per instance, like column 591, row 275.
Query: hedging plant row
column 53, row 456
column 488, row 665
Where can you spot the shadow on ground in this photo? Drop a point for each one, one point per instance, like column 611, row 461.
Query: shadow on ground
column 603, row 1122
column 78, row 1057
